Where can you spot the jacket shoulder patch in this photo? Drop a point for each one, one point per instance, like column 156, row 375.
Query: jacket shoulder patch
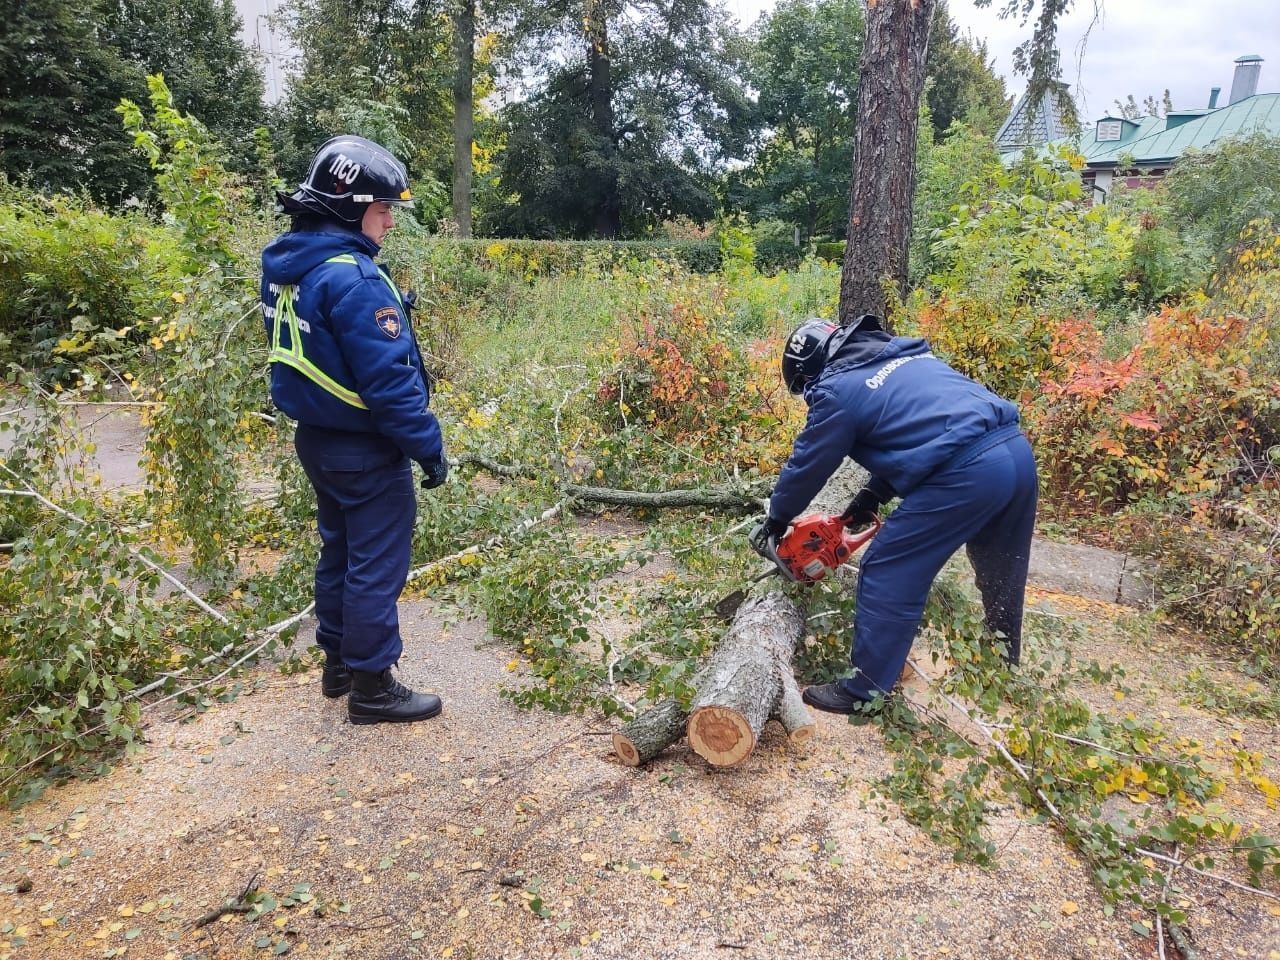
column 388, row 321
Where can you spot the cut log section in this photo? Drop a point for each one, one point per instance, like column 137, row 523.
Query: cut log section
column 650, row 733
column 747, row 682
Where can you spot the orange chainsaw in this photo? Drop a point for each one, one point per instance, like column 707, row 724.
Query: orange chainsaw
column 809, row 551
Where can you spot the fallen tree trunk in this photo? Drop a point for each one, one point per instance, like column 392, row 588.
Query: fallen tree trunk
column 731, row 497
column 747, row 682
column 712, row 498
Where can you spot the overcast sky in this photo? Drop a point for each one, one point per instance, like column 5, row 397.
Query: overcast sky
column 1141, row 47
column 1137, row 46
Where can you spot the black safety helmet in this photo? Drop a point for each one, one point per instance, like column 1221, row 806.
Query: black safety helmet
column 813, row 343
column 806, row 352
column 347, row 174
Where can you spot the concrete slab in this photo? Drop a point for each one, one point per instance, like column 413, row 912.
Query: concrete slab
column 1093, row 572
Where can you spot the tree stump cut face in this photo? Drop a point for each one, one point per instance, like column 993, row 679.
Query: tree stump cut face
column 721, row 736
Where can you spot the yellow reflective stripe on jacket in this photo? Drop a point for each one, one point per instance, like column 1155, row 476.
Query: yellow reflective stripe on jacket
column 292, row 356
column 349, row 258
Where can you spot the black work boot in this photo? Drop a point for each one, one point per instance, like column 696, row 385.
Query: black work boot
column 381, row 698
column 831, row 698
column 335, row 681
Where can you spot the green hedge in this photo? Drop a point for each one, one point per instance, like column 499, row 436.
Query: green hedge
column 830, row 250
column 538, row 258
column 71, row 276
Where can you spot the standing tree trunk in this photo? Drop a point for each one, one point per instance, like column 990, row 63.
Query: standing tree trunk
column 884, row 154
column 464, row 46
column 609, row 211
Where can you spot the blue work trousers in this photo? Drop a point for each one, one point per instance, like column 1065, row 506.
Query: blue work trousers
column 986, row 502
column 365, row 508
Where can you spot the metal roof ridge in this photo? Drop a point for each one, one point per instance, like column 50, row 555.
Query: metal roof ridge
column 1219, row 124
column 1203, row 122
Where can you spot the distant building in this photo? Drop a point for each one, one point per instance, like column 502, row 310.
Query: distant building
column 1033, row 124
column 1143, row 150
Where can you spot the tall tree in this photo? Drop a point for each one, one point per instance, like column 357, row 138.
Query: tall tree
column 196, row 45
column 889, row 88
column 382, row 69
column 884, row 154
column 804, row 67
column 961, row 83
column 600, row 84
column 60, row 82
column 637, row 102
column 1130, row 109
column 464, row 65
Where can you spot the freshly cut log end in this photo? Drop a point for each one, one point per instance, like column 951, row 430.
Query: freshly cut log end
column 720, row 735
column 626, row 750
column 650, row 733
column 746, row 682
column 801, row 735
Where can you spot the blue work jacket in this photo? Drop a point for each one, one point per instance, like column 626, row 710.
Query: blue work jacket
column 343, row 352
column 894, row 408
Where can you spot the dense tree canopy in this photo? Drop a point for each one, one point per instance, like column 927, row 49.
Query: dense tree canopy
column 66, row 66
column 636, row 105
column 196, row 45
column 60, row 82
column 381, row 69
column 804, row 68
column 960, row 81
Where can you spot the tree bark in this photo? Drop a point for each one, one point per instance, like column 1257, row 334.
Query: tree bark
column 884, row 154
column 747, row 681
column 608, row 222
column 715, row 498
column 650, row 733
column 733, row 498
column 464, row 39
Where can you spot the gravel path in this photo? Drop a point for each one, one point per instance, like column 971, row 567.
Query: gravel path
column 454, row 838
column 491, row 833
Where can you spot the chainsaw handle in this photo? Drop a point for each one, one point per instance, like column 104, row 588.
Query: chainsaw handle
column 858, row 540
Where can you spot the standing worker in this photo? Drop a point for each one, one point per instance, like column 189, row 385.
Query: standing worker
column 345, row 365
column 950, row 448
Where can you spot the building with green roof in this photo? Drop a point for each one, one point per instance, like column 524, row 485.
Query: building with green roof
column 1141, row 150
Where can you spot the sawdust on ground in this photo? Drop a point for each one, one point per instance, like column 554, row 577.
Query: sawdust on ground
column 492, row 833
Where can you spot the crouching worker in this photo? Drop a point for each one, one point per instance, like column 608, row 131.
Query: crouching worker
column 953, row 452
column 345, row 365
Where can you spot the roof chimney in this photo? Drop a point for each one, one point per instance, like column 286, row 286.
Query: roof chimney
column 1213, row 98
column 1245, row 82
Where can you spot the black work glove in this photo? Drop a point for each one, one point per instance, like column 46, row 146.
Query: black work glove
column 863, row 510
column 409, row 301
column 434, row 472
column 763, row 532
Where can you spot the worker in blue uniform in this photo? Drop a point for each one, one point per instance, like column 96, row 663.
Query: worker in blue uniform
column 345, row 365
column 950, row 448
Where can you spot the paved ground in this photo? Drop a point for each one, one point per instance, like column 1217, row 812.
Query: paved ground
column 1092, row 572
